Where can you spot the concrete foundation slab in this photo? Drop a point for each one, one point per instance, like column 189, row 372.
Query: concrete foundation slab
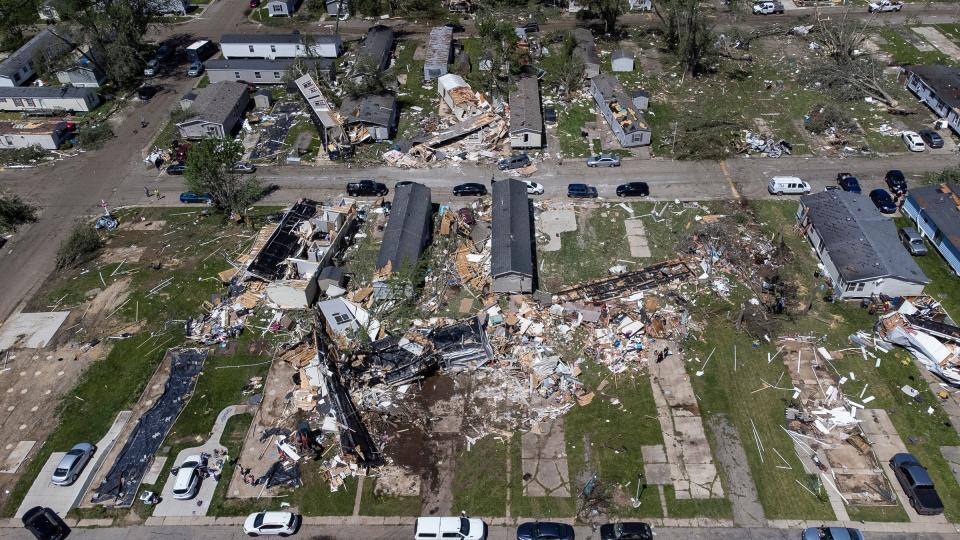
column 31, row 330
column 938, row 40
column 16, row 456
column 543, row 460
column 554, row 222
column 155, row 469
column 637, row 238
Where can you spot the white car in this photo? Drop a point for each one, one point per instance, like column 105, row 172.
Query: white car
column 271, row 523
column 913, row 141
column 534, row 188
column 187, row 482
column 459, row 527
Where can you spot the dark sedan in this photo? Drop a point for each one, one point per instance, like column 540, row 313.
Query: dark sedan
column 45, row 524
column 848, row 182
column 917, row 484
column 633, row 189
column 626, row 531
column 883, row 201
column 189, row 197
column 932, row 138
column 544, row 530
column 176, row 169
column 470, row 189
column 896, row 181
column 581, row 191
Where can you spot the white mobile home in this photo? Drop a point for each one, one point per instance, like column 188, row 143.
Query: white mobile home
column 48, row 99
column 48, row 135
column 282, row 8
column 526, row 120
column 272, row 46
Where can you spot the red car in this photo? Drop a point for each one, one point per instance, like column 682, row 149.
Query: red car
column 254, row 4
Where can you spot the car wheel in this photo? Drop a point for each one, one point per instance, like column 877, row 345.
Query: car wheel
column 253, row 535
column 779, row 193
column 284, row 535
column 616, row 165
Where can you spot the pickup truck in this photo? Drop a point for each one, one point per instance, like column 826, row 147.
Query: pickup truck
column 884, row 5
column 767, row 8
column 366, row 187
column 917, row 485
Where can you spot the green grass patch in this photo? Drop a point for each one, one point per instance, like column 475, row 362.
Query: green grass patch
column 480, row 480
column 882, row 514
column 905, row 53
column 570, row 120
column 232, row 439
column 373, row 504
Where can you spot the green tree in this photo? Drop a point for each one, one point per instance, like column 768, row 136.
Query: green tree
column 687, row 34
column 81, row 246
column 609, row 11
column 208, row 171
column 564, row 69
column 17, row 16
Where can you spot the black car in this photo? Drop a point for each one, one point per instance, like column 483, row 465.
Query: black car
column 633, row 189
column 367, row 188
column 164, row 51
column 896, row 181
column 581, row 191
column 917, row 484
column 470, row 189
column 176, row 169
column 626, row 531
column 544, row 530
column 549, row 115
column 932, row 138
column 531, row 26
column 883, row 201
column 848, row 182
column 146, row 92
column 45, row 524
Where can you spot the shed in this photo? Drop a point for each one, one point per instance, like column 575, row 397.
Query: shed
column 377, row 47
column 858, row 246
column 526, row 119
column 409, row 229
column 439, row 52
column 263, row 99
column 282, row 8
column 621, row 61
column 218, row 110
column 512, row 243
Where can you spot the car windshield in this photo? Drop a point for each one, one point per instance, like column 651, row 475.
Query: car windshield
column 258, row 521
column 60, row 471
column 290, row 523
column 189, row 464
column 464, row 526
column 75, row 452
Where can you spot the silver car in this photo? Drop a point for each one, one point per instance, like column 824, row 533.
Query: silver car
column 912, row 241
column 603, row 160
column 72, row 464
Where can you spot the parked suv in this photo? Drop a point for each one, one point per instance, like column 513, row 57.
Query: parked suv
column 912, row 241
column 581, row 191
column 603, row 160
column 463, row 528
column 633, row 189
column 516, row 161
column 932, row 138
column 916, row 484
column 896, row 181
column 787, row 185
column 45, row 524
column 883, row 201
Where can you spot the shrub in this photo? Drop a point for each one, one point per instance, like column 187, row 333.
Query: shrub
column 826, row 117
column 94, row 137
column 14, row 212
column 80, row 247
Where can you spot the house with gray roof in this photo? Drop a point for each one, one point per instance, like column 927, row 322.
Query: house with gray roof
column 858, row 246
column 526, row 119
column 377, row 47
column 586, row 51
column 939, row 88
column 371, row 117
column 270, row 46
column 512, row 239
column 936, row 211
column 84, row 72
column 622, row 112
column 48, row 99
column 439, row 52
column 409, row 229
column 21, row 66
column 267, row 71
column 218, row 110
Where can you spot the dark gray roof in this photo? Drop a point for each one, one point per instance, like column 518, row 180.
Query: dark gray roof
column 45, row 92
column 265, row 64
column 408, row 230
column 512, row 242
column 377, row 45
column 586, row 49
column 861, row 242
column 293, row 38
column 940, row 206
column 438, row 46
column 376, row 110
column 944, row 80
column 215, row 102
column 42, row 43
column 525, row 106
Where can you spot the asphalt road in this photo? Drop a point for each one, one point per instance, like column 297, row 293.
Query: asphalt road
column 348, row 532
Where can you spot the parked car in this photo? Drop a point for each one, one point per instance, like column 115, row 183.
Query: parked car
column 462, row 528
column 164, row 52
column 848, row 182
column 45, row 524
column 470, row 189
column 544, row 530
column 456, row 27
column 187, row 482
column 767, row 8
column 146, row 92
column 896, row 181
column 530, row 26
column 367, row 187
column 152, row 68
column 272, row 523
column 917, row 484
column 912, row 241
column 913, row 141
column 516, row 161
column 581, row 191
column 242, row 167
column 831, row 533
column 189, row 197
column 884, row 5
column 883, row 201
column 467, row 216
column 549, row 116
column 72, row 464
column 787, row 185
column 533, row 188
column 931, row 137
column 402, row 183
column 633, row 189
column 626, row 531
column 176, row 169
column 196, row 69
column 603, row 160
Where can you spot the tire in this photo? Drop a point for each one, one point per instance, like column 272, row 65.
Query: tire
column 253, row 535
column 283, row 535
column 617, row 165
column 779, row 194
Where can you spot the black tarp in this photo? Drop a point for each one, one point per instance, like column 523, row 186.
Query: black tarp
column 121, row 483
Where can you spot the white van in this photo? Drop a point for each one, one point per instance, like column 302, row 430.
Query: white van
column 440, row 528
column 787, row 185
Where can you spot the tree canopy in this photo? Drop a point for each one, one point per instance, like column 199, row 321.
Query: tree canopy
column 209, row 165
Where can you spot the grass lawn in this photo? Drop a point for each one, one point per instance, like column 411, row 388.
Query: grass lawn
column 904, row 53
column 412, row 93
column 480, row 482
column 361, row 261
column 376, row 505
column 570, row 119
